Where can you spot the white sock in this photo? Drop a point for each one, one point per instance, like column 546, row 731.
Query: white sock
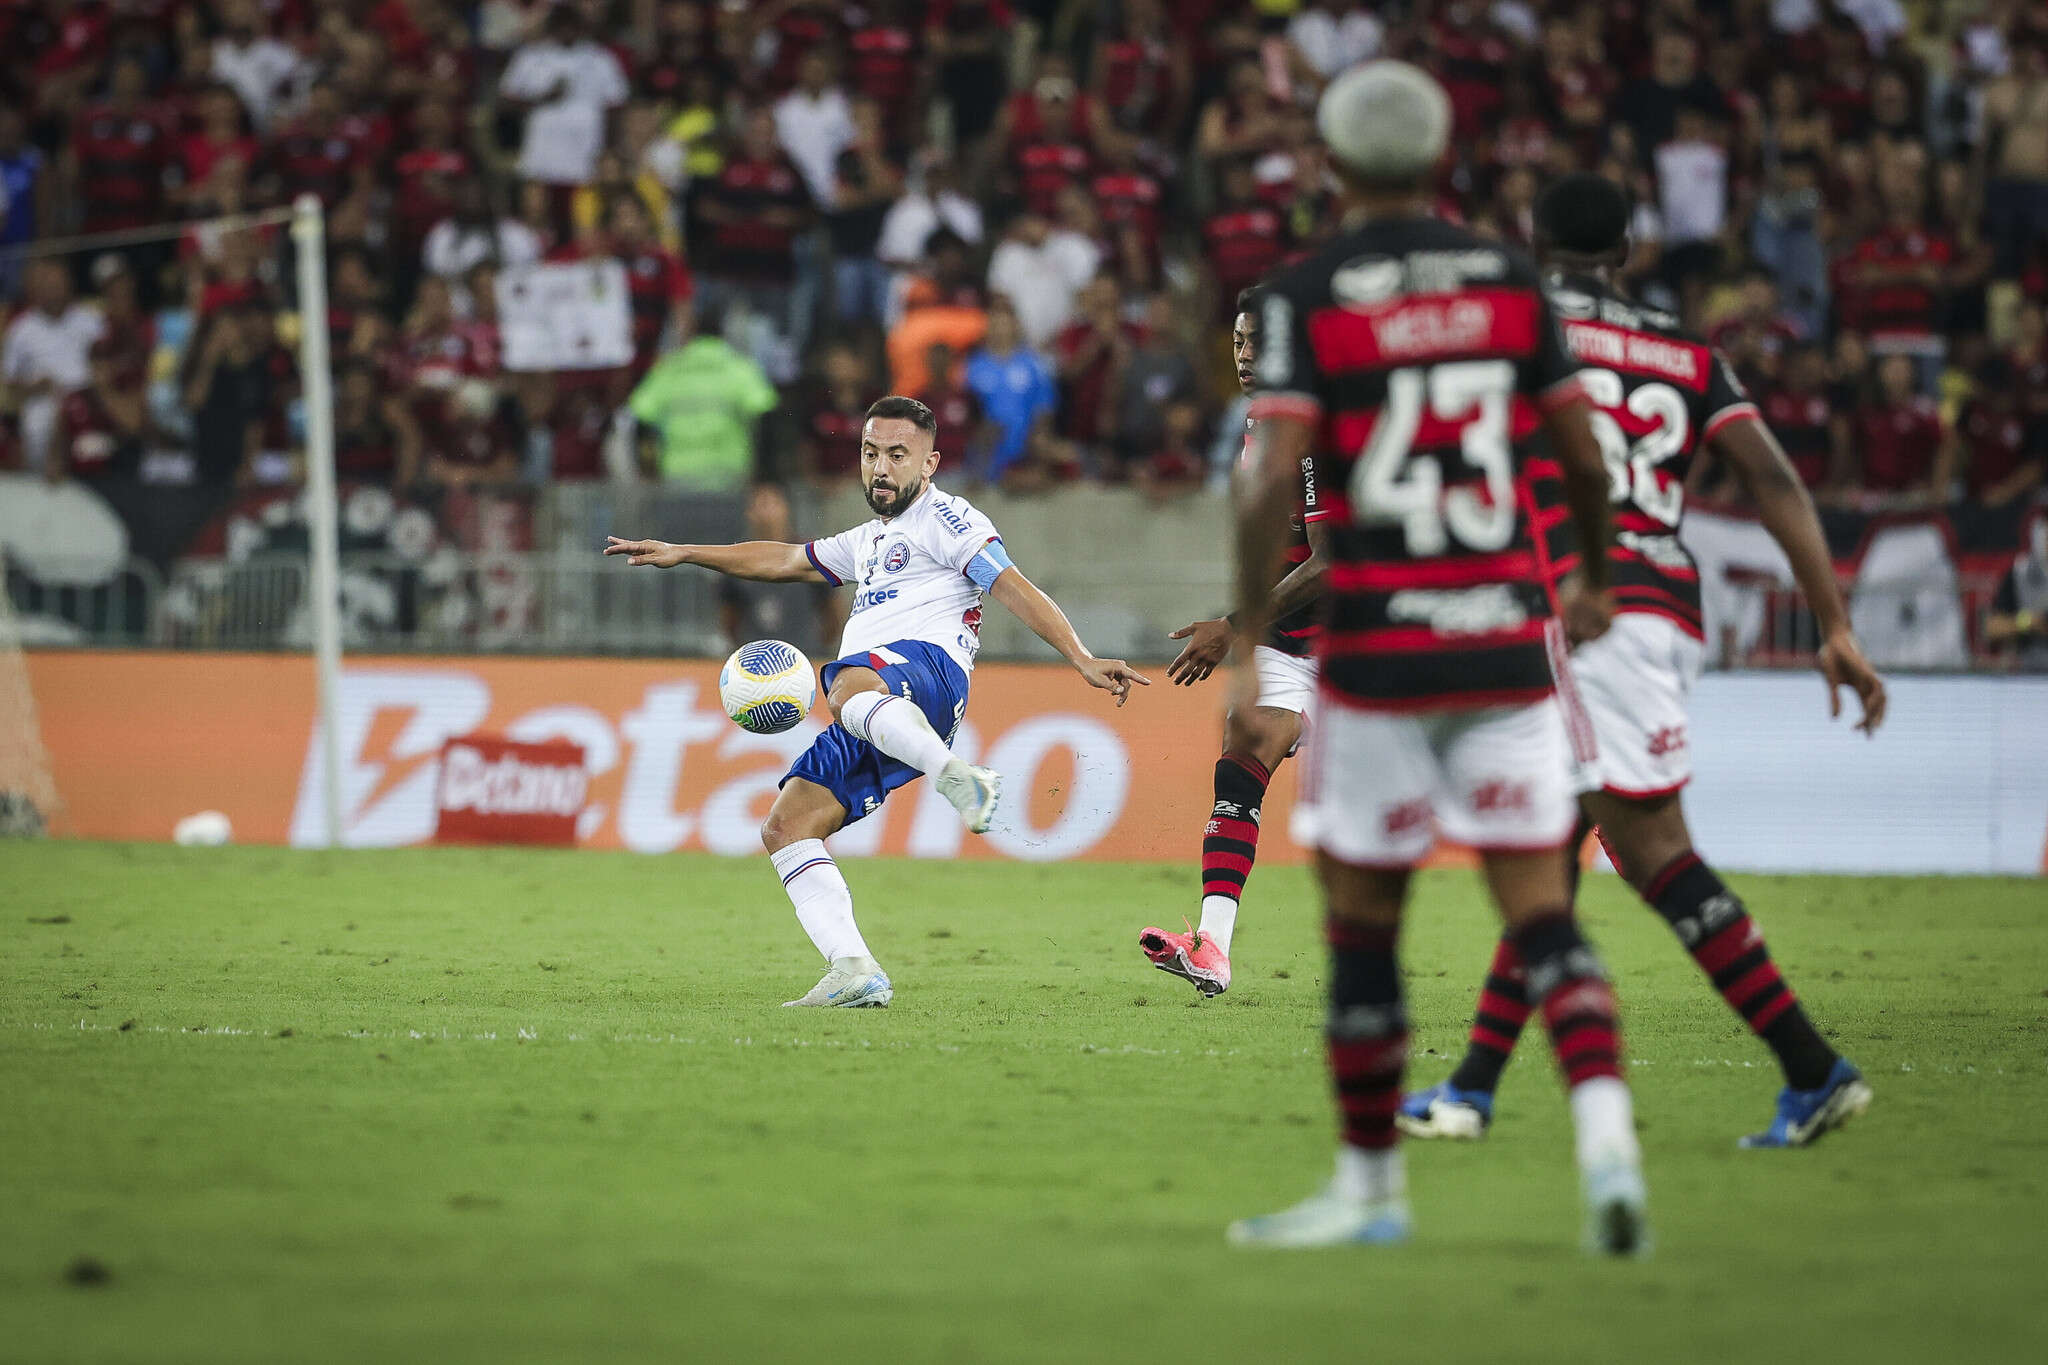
column 1370, row 1175
column 894, row 725
column 1603, row 1117
column 1219, row 920
column 823, row 904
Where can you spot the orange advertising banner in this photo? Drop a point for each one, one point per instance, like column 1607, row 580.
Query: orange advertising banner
column 138, row 740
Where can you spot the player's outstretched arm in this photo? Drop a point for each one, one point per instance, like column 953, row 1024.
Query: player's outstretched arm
column 1759, row 463
column 1031, row 606
column 770, row 561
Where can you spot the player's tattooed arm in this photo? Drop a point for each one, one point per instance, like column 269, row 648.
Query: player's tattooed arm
column 1758, row 462
column 1304, row 583
column 1266, row 481
column 1029, row 604
column 770, row 561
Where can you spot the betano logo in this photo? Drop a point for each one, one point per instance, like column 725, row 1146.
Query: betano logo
column 668, row 771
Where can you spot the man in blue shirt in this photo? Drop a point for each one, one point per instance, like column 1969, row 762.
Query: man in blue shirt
column 21, row 176
column 1014, row 385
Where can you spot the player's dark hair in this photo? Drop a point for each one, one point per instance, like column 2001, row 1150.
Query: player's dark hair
column 908, row 410
column 1584, row 214
column 1249, row 298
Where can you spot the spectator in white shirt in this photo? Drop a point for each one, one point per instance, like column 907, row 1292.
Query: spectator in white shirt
column 567, row 82
column 814, row 123
column 257, row 67
column 932, row 202
column 1335, row 35
column 1042, row 269
column 46, row 354
column 476, row 234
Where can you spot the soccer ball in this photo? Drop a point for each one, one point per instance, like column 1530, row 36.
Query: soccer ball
column 767, row 687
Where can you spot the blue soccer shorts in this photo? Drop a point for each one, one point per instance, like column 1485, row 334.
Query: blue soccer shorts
column 857, row 773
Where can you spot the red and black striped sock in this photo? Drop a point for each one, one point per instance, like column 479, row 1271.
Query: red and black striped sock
column 1367, row 1031
column 1716, row 929
column 1567, row 983
column 1503, row 1009
column 1230, row 843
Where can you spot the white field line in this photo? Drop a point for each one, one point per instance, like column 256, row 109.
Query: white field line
column 533, row 1035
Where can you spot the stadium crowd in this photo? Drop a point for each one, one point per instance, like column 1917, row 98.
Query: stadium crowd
column 1033, row 214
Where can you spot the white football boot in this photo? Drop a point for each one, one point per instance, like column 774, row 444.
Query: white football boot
column 853, row 983
column 973, row 792
column 1326, row 1219
column 1617, row 1215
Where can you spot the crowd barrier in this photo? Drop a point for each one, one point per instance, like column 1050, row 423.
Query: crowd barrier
column 1957, row 781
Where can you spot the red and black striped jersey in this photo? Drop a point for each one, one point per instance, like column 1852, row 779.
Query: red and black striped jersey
column 1296, row 633
column 1425, row 356
column 1659, row 395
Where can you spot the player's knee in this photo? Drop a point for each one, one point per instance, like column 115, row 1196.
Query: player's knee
column 778, row 831
column 1261, row 734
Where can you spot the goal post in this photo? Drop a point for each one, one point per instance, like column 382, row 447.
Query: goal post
column 309, row 241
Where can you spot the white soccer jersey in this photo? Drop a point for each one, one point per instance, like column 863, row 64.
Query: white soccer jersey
column 917, row 576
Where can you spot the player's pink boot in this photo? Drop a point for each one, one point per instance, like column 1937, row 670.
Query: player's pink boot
column 1189, row 956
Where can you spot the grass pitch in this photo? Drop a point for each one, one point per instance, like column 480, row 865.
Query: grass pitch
column 497, row 1106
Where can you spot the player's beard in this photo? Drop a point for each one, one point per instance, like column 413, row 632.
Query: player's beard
column 898, row 498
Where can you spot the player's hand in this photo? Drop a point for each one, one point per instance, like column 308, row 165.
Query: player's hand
column 1208, row 645
column 1113, row 676
column 659, row 553
column 1841, row 662
column 1586, row 614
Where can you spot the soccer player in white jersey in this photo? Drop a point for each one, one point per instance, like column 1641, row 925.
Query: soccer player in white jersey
column 899, row 687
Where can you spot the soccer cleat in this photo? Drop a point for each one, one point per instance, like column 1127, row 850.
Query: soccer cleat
column 1803, row 1115
column 852, row 983
column 1444, row 1111
column 1617, row 1213
column 973, row 792
column 1189, row 956
column 1326, row 1219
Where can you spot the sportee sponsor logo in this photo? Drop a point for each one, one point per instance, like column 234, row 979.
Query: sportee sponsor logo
column 494, row 790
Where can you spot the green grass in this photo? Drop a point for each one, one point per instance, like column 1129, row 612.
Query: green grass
column 492, row 1106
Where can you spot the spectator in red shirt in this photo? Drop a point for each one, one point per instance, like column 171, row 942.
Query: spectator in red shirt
column 1050, row 150
column 1243, row 238
column 828, row 444
column 120, row 154
column 656, row 278
column 749, row 219
column 222, row 137
column 375, row 437
column 315, row 154
column 1799, row 413
column 101, row 427
column 963, row 431
column 1174, row 466
column 1992, row 450
column 1893, row 284
column 883, row 62
column 1090, row 355
column 1898, row 437
column 1142, row 73
column 1755, row 336
column 1575, row 86
column 1130, row 199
